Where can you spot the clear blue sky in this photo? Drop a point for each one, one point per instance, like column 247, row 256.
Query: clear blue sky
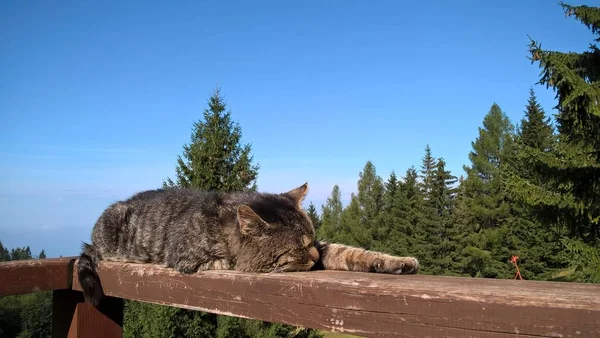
column 97, row 99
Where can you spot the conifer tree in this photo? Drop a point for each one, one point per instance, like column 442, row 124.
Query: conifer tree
column 570, row 193
column 427, row 172
column 535, row 130
column 361, row 218
column 484, row 201
column 395, row 230
column 42, row 254
column 484, row 182
column 314, row 216
column 215, row 159
column 536, row 244
column 20, row 253
column 331, row 216
column 413, row 196
column 4, row 253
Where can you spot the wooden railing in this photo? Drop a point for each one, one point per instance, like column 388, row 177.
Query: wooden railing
column 365, row 304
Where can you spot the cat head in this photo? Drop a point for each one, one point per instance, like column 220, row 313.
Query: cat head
column 277, row 234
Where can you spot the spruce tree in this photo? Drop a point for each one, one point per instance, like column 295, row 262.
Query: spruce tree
column 4, row 253
column 395, row 230
column 570, row 193
column 331, row 216
column 360, row 220
column 535, row 129
column 314, row 216
column 484, row 182
column 536, row 244
column 413, row 196
column 487, row 208
column 42, row 254
column 22, row 253
column 215, row 159
column 428, row 228
column 427, row 172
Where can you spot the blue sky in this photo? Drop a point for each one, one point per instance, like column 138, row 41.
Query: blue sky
column 97, row 99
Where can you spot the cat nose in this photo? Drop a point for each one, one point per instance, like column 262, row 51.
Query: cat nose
column 313, row 253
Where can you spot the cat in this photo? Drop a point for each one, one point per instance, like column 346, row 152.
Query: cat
column 192, row 230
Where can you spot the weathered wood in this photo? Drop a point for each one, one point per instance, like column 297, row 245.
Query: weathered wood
column 73, row 318
column 370, row 304
column 26, row 276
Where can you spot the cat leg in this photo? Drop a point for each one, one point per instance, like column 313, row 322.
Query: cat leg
column 217, row 264
column 185, row 266
column 349, row 258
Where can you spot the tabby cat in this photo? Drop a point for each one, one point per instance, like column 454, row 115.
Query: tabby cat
column 192, row 230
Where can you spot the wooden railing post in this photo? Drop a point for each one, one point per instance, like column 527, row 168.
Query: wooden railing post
column 73, row 318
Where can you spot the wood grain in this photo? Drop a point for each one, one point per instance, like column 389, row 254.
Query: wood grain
column 26, row 276
column 369, row 304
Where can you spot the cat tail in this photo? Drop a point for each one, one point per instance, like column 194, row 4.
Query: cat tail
column 88, row 275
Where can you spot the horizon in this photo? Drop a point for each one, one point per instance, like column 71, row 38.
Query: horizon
column 98, row 101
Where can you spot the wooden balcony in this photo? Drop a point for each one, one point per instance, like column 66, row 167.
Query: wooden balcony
column 364, row 304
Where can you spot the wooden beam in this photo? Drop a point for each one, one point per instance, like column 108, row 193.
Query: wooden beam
column 26, row 276
column 72, row 318
column 369, row 304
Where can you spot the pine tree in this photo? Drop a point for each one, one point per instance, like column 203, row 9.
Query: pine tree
column 427, row 172
column 395, row 230
column 314, row 216
column 331, row 216
column 361, row 218
column 570, row 193
column 537, row 245
column 370, row 191
column 484, row 182
column 42, row 254
column 215, row 159
column 535, row 130
column 485, row 206
column 428, row 228
column 4, row 253
column 413, row 197
column 20, row 253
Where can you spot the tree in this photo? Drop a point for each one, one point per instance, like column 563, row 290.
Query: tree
column 426, row 173
column 314, row 216
column 484, row 182
column 4, row 253
column 536, row 243
column 395, row 230
column 20, row 253
column 535, row 130
column 215, row 159
column 42, row 254
column 484, row 204
column 28, row 315
column 331, row 215
column 361, row 218
column 570, row 193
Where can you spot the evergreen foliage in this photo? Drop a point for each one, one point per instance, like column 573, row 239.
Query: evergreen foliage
column 531, row 191
column 331, row 216
column 28, row 315
column 215, row 159
column 314, row 216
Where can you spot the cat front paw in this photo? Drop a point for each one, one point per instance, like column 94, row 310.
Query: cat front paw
column 396, row 265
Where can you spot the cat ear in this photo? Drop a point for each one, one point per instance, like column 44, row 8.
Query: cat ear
column 250, row 223
column 298, row 194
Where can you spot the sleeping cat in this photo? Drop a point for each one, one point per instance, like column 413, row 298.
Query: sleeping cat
column 192, row 230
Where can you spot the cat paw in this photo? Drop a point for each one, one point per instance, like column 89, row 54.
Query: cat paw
column 396, row 265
